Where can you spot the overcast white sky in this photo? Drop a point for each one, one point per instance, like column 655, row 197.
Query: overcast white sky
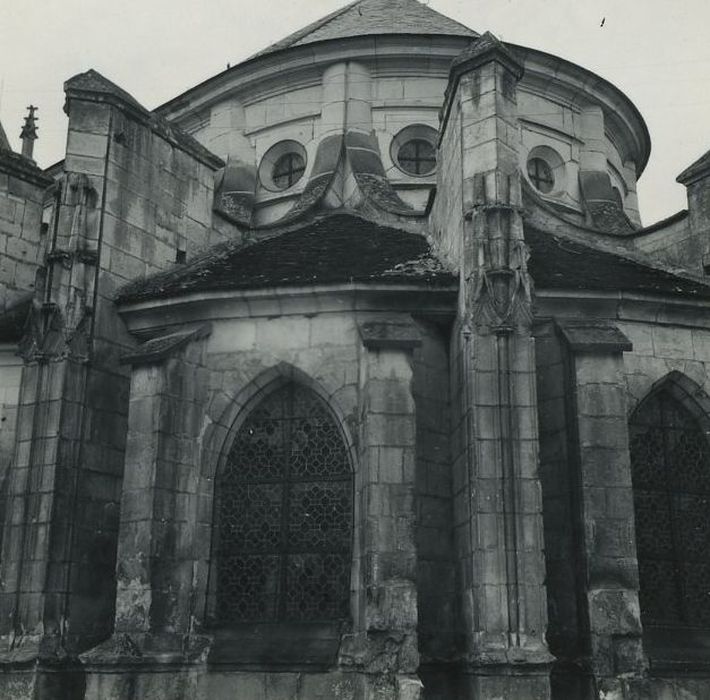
column 656, row 51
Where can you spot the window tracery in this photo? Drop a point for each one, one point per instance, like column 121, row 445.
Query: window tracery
column 284, row 515
column 670, row 462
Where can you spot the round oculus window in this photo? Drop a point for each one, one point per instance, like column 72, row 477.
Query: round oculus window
column 541, row 175
column 417, row 157
column 283, row 165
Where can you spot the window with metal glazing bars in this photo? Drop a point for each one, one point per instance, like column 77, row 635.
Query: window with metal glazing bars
column 670, row 462
column 417, row 157
column 284, row 515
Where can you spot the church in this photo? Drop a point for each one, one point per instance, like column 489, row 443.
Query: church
column 352, row 374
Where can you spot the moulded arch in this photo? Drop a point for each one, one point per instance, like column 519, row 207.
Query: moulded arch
column 217, row 440
column 265, row 387
column 225, row 427
column 684, row 390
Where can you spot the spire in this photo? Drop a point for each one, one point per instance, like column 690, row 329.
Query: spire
column 29, row 132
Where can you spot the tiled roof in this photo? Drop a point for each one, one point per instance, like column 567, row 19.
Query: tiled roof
column 559, row 262
column 367, row 17
column 339, row 248
column 342, row 248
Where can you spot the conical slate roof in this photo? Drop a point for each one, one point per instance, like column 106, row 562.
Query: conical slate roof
column 367, row 17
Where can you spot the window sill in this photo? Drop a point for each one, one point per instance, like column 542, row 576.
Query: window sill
column 276, row 646
column 677, row 649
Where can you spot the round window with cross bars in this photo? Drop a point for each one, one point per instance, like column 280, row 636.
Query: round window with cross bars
column 282, row 166
column 541, row 175
column 413, row 150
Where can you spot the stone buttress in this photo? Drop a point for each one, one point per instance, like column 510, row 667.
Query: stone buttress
column 497, row 496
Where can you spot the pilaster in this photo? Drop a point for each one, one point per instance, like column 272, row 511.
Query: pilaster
column 604, row 496
column 384, row 643
column 156, row 563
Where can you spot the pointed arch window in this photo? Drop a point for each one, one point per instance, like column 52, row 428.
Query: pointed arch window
column 670, row 462
column 284, row 515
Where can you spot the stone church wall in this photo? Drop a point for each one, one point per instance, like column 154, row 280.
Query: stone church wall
column 22, row 192
column 585, row 399
column 446, row 220
column 675, row 244
column 660, row 349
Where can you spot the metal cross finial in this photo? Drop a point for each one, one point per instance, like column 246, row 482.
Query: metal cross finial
column 29, row 128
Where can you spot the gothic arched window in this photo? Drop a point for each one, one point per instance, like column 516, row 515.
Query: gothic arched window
column 670, row 462
column 284, row 515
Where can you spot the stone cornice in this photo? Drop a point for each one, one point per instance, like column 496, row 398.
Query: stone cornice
column 392, row 334
column 595, row 336
column 156, row 350
column 621, row 307
column 147, row 319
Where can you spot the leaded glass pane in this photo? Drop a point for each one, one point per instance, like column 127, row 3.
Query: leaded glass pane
column 284, row 510
column 319, row 516
column 671, row 477
column 315, row 586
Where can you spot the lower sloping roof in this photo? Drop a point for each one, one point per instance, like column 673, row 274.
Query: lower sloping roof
column 344, row 248
column 561, row 262
column 339, row 248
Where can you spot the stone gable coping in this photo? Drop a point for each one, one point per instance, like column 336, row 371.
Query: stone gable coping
column 155, row 350
column 91, row 86
column 594, row 336
column 696, row 171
